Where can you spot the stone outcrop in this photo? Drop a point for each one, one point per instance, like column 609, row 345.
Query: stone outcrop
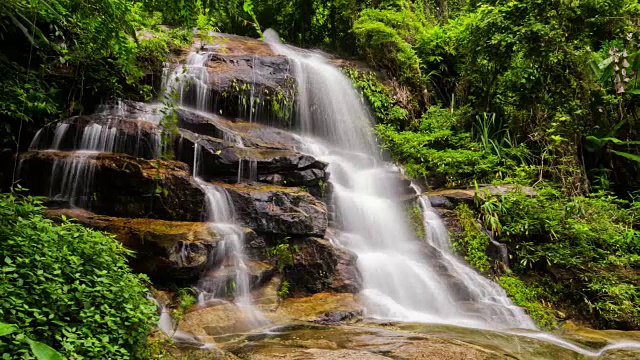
column 247, row 80
column 249, row 134
column 281, row 210
column 450, row 198
column 320, row 266
column 219, row 159
column 103, row 132
column 167, row 251
column 114, row 184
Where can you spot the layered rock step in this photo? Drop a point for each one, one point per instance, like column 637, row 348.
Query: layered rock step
column 114, row 184
column 237, row 77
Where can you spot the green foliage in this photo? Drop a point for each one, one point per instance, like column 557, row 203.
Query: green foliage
column 84, row 52
column 186, row 299
column 248, row 8
column 589, row 245
column 472, row 243
column 40, row 351
column 526, row 65
column 416, row 220
column 439, row 151
column 384, row 37
column 68, row 286
column 384, row 107
column 530, row 298
column 283, row 253
column 283, row 290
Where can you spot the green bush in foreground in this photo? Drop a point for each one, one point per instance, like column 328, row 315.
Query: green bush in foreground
column 67, row 286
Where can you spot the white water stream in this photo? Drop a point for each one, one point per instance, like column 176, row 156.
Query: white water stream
column 402, row 280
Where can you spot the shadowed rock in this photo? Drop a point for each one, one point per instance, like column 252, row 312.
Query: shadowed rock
column 278, row 210
column 167, row 251
column 320, row 266
column 114, row 184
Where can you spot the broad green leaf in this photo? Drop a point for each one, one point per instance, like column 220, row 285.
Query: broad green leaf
column 6, row 329
column 44, row 351
column 627, row 155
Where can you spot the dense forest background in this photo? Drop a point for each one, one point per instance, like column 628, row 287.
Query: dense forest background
column 538, row 93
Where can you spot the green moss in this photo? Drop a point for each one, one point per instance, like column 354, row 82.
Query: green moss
column 530, row 298
column 471, row 243
column 416, row 220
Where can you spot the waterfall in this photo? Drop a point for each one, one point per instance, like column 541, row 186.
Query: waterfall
column 214, row 284
column 403, row 279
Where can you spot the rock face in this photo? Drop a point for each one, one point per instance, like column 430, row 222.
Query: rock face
column 274, row 209
column 247, row 80
column 450, row 198
column 167, row 251
column 319, row 266
column 103, row 132
column 105, row 171
column 114, row 184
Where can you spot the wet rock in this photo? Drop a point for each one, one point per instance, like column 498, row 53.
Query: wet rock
column 220, row 159
column 278, row 210
column 247, row 80
column 320, row 266
column 249, row 134
column 356, row 342
column 334, row 318
column 129, row 133
column 315, row 307
column 221, row 278
column 168, row 252
column 114, row 184
column 438, row 201
column 216, row 318
column 454, row 197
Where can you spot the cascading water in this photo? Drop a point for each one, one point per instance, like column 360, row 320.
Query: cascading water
column 214, row 284
column 399, row 283
column 189, row 82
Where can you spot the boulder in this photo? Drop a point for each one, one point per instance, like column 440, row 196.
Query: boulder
column 249, row 134
column 450, row 198
column 320, row 266
column 278, row 210
column 221, row 160
column 220, row 280
column 114, row 184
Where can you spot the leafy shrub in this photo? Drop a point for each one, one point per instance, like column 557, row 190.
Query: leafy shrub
column 471, row 243
column 68, row 286
column 436, row 151
column 385, row 37
column 587, row 245
column 384, row 106
column 530, row 298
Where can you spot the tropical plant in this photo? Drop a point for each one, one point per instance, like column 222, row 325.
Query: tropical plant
column 39, row 350
column 68, row 286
